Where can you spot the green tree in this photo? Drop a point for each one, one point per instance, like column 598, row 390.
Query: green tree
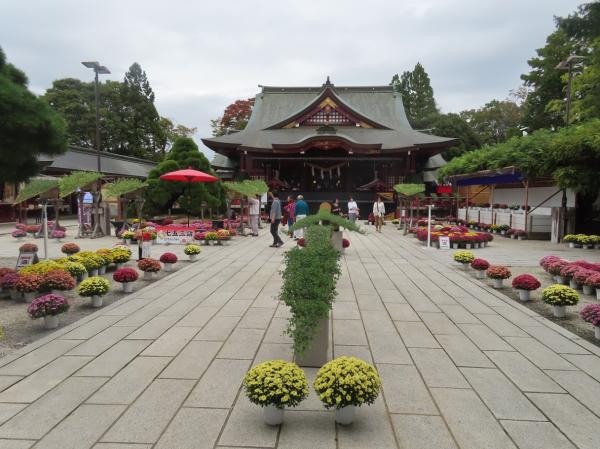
column 162, row 195
column 28, row 127
column 171, row 132
column 495, row 122
column 453, row 125
column 575, row 34
column 417, row 96
column 586, row 87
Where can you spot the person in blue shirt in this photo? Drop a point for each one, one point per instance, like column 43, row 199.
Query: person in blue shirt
column 300, row 211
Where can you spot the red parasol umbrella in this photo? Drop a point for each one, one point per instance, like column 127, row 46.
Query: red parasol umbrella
column 188, row 175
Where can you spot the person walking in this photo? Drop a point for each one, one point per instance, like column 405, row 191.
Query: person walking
column 290, row 209
column 275, row 217
column 352, row 210
column 254, row 213
column 300, row 212
column 378, row 213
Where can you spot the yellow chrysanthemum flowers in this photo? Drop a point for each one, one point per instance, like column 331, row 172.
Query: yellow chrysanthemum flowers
column 276, row 382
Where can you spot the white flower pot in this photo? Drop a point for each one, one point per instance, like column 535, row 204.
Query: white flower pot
column 15, row 295
column 455, row 246
column 598, row 294
column 51, row 321
column 524, row 295
column 94, row 272
column 561, row 280
column 480, row 274
column 345, row 415
column 29, row 296
column 102, row 270
column 57, row 292
column 97, row 301
column 498, row 283
column 520, row 237
column 587, row 290
column 468, row 246
column 75, row 278
column 127, row 241
column 168, row 267
column 464, row 266
column 559, row 311
column 272, row 415
column 503, row 232
column 119, row 265
column 148, row 275
column 574, row 285
column 193, row 257
column 597, row 332
column 82, row 276
column 571, row 245
column 127, row 286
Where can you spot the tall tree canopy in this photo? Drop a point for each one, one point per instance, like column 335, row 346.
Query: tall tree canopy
column 417, row 96
column 162, row 195
column 28, row 126
column 575, row 34
column 234, row 118
column 453, row 125
column 129, row 122
column 495, row 122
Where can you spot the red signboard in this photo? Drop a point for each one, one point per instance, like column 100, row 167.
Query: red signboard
column 440, row 190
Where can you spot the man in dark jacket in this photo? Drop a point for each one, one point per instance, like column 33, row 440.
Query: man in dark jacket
column 275, row 217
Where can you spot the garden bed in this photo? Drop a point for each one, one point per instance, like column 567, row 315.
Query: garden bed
column 20, row 330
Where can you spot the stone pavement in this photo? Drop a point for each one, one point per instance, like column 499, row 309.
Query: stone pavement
column 462, row 366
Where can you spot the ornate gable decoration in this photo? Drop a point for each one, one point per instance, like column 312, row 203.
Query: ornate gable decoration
column 328, row 113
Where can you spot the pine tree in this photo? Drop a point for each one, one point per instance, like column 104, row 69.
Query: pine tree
column 162, row 195
column 417, row 96
column 28, row 127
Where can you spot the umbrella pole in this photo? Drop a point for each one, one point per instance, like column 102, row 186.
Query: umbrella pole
column 189, row 203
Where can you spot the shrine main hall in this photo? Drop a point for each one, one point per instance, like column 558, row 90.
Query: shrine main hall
column 329, row 142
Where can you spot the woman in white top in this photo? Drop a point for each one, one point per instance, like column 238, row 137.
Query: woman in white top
column 352, row 210
column 378, row 213
column 254, row 212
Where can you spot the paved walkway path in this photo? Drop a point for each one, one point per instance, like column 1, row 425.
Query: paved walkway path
column 462, row 366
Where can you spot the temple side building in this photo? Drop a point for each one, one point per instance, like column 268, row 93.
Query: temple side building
column 329, row 142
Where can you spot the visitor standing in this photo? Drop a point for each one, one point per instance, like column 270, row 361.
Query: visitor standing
column 335, row 208
column 378, row 213
column 254, row 213
column 352, row 210
column 300, row 211
column 275, row 217
column 290, row 209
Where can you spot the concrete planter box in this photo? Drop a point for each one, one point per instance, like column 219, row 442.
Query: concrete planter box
column 336, row 239
column 316, row 355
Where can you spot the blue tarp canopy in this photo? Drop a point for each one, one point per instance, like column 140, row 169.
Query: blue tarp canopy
column 508, row 175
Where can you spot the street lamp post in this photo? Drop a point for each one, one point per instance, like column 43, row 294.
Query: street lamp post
column 98, row 69
column 567, row 64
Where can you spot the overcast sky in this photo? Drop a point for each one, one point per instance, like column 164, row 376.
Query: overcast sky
column 200, row 56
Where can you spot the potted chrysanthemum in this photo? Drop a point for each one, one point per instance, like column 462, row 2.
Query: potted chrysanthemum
column 555, row 267
column 149, row 266
column 480, row 265
column 126, row 276
column 274, row 385
column 4, row 272
column 464, row 258
column 525, row 284
column 498, row 273
column 70, row 248
column 591, row 314
column 127, row 236
column 49, row 307
column 192, row 251
column 94, row 287
column 168, row 260
column 120, row 256
column 28, row 285
column 57, row 282
column 75, row 269
column 19, row 234
column 592, row 282
column 345, row 383
column 345, row 244
column 28, row 248
column 579, row 277
column 560, row 296
column 106, row 255
column 211, row 236
column 92, row 262
column 567, row 272
column 58, row 235
column 8, row 282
